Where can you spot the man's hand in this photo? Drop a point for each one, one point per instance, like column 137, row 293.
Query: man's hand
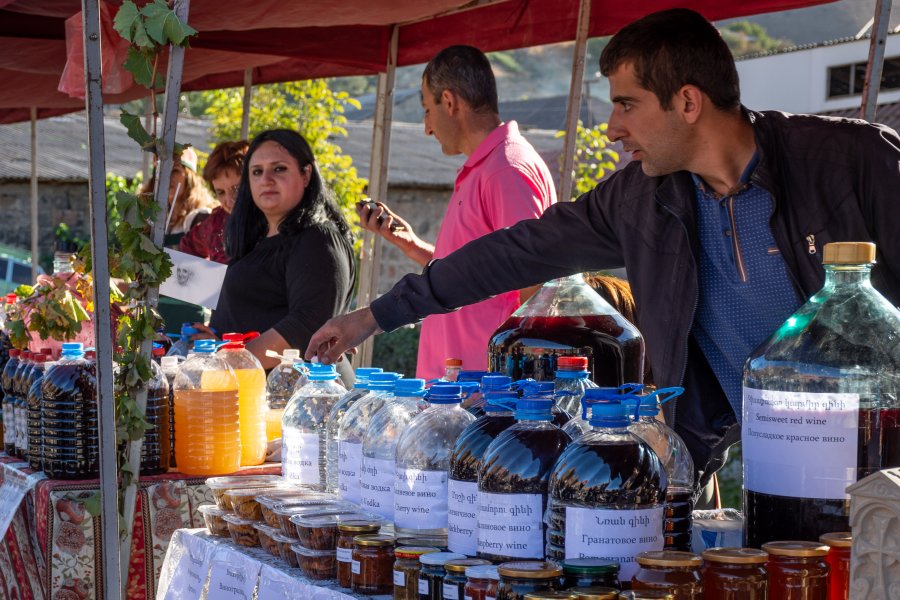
column 377, row 217
column 341, row 334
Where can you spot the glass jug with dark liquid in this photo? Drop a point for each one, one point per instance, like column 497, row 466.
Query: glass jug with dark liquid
column 566, row 317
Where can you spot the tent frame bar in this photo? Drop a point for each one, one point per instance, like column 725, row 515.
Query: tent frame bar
column 875, row 63
column 34, row 195
column 573, row 107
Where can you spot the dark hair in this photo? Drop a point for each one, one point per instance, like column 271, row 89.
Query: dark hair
column 247, row 224
column 465, row 71
column 673, row 48
column 228, row 156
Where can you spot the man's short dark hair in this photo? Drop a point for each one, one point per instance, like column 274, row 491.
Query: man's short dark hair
column 466, row 72
column 673, row 48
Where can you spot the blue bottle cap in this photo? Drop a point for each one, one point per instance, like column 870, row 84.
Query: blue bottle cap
column 531, row 408
column 530, row 387
column 500, row 401
column 573, row 374
column 365, row 372
column 409, row 387
column 188, row 329
column 321, row 372
column 383, row 381
column 495, row 382
column 72, row 350
column 610, row 412
column 444, row 393
column 205, row 346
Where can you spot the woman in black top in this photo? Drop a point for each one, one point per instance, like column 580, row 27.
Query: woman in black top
column 292, row 261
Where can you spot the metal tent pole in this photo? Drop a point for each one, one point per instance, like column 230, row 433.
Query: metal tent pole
column 148, row 123
column 163, row 176
column 876, row 60
column 34, row 196
column 248, row 93
column 370, row 260
column 109, row 567
column 574, row 106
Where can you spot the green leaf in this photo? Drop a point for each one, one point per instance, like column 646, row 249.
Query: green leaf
column 164, row 26
column 140, row 64
column 23, row 291
column 130, row 25
column 93, row 504
column 136, row 129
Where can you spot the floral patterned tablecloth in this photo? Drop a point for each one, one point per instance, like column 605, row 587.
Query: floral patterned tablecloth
column 52, row 548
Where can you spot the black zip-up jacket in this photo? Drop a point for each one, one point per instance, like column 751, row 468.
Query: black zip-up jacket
column 830, row 179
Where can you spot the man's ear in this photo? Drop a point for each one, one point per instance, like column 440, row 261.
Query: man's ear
column 450, row 101
column 689, row 101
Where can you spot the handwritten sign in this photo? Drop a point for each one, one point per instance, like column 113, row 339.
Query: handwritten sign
column 191, row 556
column 232, row 575
column 193, row 279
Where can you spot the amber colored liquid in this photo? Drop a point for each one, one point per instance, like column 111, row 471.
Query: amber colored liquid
column 684, row 583
column 771, row 518
column 529, row 347
column 793, row 578
column 273, row 423
column 723, row 581
column 252, row 394
column 208, row 426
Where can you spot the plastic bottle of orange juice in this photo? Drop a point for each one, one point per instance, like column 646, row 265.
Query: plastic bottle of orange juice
column 207, row 414
column 251, row 379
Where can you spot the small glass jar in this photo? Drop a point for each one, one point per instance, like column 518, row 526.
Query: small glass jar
column 646, row 595
column 797, row 570
column 518, row 578
column 671, row 571
column 734, row 574
column 454, row 586
column 344, row 546
column 479, row 580
column 595, row 593
column 373, row 565
column 431, row 574
column 590, row 572
column 431, row 542
column 838, row 560
column 406, row 571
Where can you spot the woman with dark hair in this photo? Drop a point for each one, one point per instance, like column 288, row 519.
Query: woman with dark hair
column 292, row 262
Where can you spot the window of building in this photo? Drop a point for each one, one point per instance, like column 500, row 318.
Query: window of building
column 847, row 80
column 21, row 273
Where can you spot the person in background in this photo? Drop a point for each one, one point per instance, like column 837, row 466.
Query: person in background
column 223, row 174
column 502, row 182
column 292, row 260
column 719, row 219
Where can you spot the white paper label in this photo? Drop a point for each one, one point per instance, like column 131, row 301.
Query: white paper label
column 511, row 525
column 420, row 499
column 798, row 444
column 275, row 585
column 399, row 578
column 189, row 574
column 300, row 457
column 345, row 555
column 15, row 485
column 9, row 420
column 232, row 575
column 423, row 586
column 462, row 517
column 349, row 461
column 354, row 567
column 617, row 535
column 377, row 486
column 451, row 591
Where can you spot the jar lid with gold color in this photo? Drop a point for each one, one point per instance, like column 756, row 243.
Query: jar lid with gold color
column 550, row 595
column 838, row 539
column 646, row 595
column 359, row 526
column 735, row 556
column 459, row 565
column 413, row 551
column 796, row 549
column 595, row 593
column 374, row 541
column 668, row 558
column 848, row 253
column 529, row 569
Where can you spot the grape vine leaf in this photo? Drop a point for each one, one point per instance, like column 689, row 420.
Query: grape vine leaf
column 130, row 25
column 164, row 26
column 136, row 129
column 140, row 64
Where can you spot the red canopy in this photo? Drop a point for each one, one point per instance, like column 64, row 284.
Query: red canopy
column 287, row 40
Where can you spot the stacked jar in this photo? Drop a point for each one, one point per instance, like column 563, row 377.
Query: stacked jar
column 406, row 571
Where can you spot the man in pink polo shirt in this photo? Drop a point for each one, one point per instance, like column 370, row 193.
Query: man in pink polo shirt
column 504, row 181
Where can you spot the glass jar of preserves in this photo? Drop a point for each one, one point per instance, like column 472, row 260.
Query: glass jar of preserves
column 371, row 571
column 439, row 543
column 734, row 574
column 590, row 573
column 797, row 570
column 431, row 574
column 838, row 560
column 406, row 571
column 344, row 545
column 454, row 586
column 518, row 578
column 672, row 571
column 595, row 593
column 646, row 595
column 479, row 582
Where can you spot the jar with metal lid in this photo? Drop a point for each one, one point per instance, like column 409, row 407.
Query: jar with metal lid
column 406, row 571
column 344, row 545
column 734, row 574
column 590, row 572
column 797, row 570
column 371, row 570
column 479, row 581
column 550, row 595
column 454, row 586
column 595, row 593
column 431, row 574
column 838, row 560
column 671, row 571
column 518, row 578
column 438, row 542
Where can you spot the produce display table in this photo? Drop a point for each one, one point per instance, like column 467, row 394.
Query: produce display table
column 52, row 551
column 199, row 565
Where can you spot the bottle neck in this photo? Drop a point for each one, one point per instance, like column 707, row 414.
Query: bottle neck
column 848, row 274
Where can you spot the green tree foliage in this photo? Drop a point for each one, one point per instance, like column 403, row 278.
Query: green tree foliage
column 746, row 37
column 594, row 159
column 309, row 107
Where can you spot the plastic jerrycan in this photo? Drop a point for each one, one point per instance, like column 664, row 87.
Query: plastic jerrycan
column 251, row 379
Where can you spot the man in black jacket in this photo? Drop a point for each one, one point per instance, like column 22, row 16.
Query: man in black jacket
column 720, row 221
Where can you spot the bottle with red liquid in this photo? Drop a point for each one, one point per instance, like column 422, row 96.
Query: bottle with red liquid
column 821, row 404
column 20, row 392
column 566, row 317
column 6, row 383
